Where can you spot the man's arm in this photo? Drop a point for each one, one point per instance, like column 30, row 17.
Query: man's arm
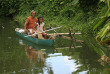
column 25, row 25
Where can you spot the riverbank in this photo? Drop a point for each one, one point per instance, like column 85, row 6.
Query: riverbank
column 75, row 14
column 73, row 17
column 78, row 23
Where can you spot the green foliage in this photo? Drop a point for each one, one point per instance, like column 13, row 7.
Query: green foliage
column 9, row 7
column 52, row 7
column 100, row 52
column 107, row 2
column 68, row 13
column 103, row 32
column 88, row 5
column 101, row 22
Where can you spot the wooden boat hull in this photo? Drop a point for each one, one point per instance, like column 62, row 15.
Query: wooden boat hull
column 45, row 42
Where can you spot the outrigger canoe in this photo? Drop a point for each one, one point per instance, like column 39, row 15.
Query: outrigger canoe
column 45, row 42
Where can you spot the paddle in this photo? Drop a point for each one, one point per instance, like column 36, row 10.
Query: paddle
column 52, row 28
column 44, row 31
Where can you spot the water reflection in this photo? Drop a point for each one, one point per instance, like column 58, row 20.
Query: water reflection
column 35, row 55
column 53, row 62
column 21, row 57
column 61, row 64
column 36, row 58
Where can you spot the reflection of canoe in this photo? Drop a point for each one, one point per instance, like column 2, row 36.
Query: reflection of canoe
column 39, row 47
column 45, row 42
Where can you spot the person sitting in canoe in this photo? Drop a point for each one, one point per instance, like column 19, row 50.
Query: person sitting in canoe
column 31, row 23
column 40, row 27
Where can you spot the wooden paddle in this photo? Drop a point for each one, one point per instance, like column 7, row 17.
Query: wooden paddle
column 52, row 28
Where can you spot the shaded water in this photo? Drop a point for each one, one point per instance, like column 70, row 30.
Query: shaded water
column 18, row 56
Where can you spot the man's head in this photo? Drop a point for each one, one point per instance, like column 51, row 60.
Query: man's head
column 33, row 13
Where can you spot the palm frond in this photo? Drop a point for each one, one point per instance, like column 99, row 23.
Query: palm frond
column 100, row 22
column 102, row 0
column 107, row 14
column 103, row 32
column 108, row 4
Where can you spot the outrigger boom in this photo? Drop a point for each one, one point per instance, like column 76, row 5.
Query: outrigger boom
column 63, row 33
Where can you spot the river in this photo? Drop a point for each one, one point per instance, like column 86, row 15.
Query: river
column 18, row 56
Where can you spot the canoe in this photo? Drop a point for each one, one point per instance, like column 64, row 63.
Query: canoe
column 44, row 42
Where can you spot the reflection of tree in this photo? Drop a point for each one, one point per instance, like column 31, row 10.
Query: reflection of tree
column 88, row 58
column 85, row 56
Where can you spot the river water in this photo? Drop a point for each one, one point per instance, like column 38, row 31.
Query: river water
column 18, row 56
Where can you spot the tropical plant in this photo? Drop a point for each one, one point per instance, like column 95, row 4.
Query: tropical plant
column 107, row 2
column 104, row 23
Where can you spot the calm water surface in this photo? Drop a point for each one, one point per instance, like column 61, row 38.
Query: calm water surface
column 18, row 56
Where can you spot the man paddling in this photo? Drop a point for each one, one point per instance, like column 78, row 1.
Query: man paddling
column 31, row 23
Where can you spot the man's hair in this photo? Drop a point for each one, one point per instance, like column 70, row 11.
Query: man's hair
column 32, row 11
